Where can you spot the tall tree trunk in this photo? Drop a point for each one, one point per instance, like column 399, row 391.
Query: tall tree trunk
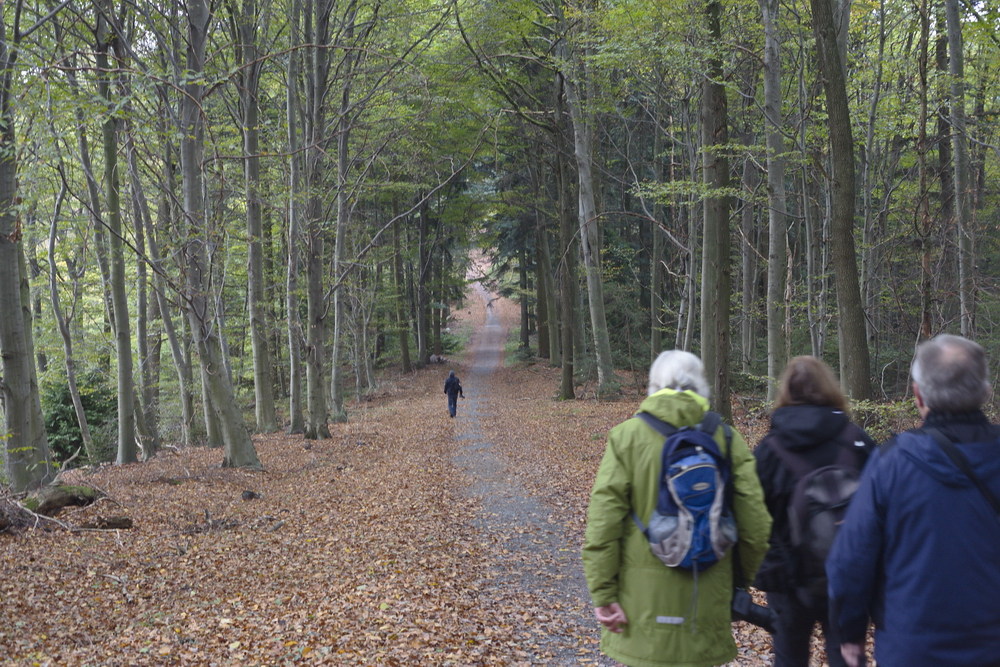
column 748, row 253
column 855, row 364
column 945, row 168
column 423, row 269
column 545, row 315
column 402, row 323
column 200, row 303
column 963, row 183
column 246, row 21
column 715, row 252
column 589, row 233
column 94, row 197
column 656, row 253
column 567, row 263
column 147, row 419
column 338, row 414
column 923, row 196
column 541, row 302
column 181, row 360
column 127, row 451
column 551, row 298
column 777, row 234
column 871, row 233
column 295, row 337
column 74, row 392
column 26, row 446
column 522, row 278
column 317, row 77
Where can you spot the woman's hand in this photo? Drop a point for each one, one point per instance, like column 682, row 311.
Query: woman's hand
column 611, row 616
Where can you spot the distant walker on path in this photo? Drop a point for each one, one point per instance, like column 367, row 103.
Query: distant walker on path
column 453, row 388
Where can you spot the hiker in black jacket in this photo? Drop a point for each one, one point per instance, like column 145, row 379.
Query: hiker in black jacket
column 453, row 388
column 809, row 430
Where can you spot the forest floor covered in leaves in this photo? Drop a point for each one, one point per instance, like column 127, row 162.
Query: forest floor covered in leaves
column 408, row 538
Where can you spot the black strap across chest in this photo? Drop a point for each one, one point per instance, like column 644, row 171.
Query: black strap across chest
column 962, row 463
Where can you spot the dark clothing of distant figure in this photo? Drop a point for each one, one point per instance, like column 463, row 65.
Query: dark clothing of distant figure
column 817, row 433
column 920, row 549
column 453, row 388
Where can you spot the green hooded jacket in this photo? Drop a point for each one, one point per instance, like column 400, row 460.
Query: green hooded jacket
column 668, row 624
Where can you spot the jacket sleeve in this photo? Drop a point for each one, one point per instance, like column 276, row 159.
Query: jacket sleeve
column 753, row 522
column 610, row 504
column 852, row 566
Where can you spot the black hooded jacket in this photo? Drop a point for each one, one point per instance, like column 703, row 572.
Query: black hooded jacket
column 817, row 433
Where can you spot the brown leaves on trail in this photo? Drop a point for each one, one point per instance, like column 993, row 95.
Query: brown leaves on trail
column 370, row 564
column 364, row 549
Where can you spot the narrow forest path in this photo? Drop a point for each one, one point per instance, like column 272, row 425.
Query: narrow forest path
column 534, row 555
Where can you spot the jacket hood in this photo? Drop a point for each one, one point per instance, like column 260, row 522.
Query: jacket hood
column 926, row 454
column 678, row 408
column 808, row 426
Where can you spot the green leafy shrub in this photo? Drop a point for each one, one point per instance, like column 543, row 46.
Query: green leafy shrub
column 882, row 420
column 100, row 405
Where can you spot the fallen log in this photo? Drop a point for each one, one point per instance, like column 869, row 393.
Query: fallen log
column 50, row 500
column 109, row 523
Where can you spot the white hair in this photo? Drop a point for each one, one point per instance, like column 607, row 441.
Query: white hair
column 679, row 370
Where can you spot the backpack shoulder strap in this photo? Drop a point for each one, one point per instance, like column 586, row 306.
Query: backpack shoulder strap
column 664, row 429
column 797, row 463
column 960, row 460
column 658, row 425
column 710, row 424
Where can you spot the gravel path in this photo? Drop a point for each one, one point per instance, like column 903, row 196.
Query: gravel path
column 534, row 556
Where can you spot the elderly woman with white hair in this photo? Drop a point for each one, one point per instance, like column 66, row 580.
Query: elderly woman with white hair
column 653, row 614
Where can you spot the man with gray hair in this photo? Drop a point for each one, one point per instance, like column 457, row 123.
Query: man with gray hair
column 920, row 545
column 653, row 614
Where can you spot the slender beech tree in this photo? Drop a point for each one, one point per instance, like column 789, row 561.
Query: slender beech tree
column 26, row 446
column 855, row 364
column 577, row 88
column 776, row 250
column 201, row 304
column 293, row 111
column 246, row 20
column 715, row 268
column 963, row 184
column 317, row 88
column 127, row 449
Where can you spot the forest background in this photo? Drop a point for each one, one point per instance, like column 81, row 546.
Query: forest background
column 221, row 217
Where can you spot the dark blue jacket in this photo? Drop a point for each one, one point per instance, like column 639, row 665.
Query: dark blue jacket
column 920, row 550
column 452, row 386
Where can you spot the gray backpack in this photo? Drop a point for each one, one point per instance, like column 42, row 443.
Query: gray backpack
column 816, row 509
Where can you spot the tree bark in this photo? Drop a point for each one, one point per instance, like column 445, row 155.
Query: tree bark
column 201, row 304
column 567, row 260
column 246, row 20
column 777, row 226
column 963, row 184
column 589, row 235
column 402, row 323
column 295, row 337
column 338, row 414
column 26, row 445
column 317, row 83
column 74, row 391
column 127, row 450
column 715, row 251
column 855, row 364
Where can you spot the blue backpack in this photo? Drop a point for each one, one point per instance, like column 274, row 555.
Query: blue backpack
column 692, row 526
